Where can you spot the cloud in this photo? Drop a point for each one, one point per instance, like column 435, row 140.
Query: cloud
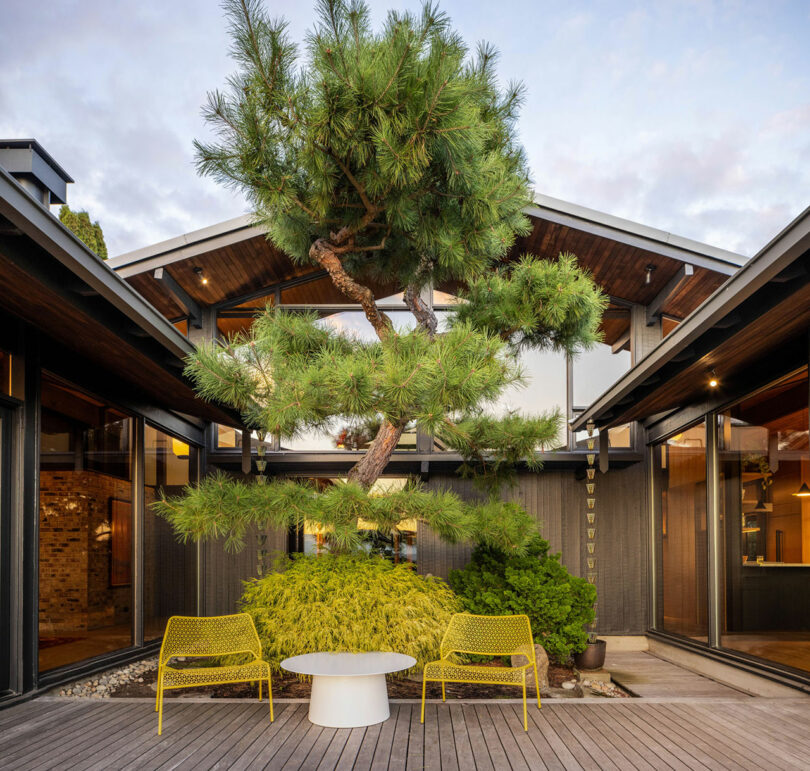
column 688, row 116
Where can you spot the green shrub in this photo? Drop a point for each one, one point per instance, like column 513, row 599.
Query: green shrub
column 558, row 604
column 348, row 603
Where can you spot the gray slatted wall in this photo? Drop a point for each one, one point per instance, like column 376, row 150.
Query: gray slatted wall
column 557, row 500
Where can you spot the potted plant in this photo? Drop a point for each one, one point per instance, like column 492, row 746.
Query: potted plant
column 593, row 657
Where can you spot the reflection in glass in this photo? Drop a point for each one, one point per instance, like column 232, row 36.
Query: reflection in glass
column 169, row 583
column 595, row 371
column 680, row 468
column 5, row 373
column 85, row 527
column 764, row 460
column 398, row 546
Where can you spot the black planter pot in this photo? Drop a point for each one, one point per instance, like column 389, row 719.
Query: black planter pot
column 593, row 657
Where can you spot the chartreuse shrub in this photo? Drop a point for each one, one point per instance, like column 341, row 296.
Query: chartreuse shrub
column 558, row 604
column 348, row 603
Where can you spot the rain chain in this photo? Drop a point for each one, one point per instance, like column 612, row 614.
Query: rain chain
column 590, row 514
column 261, row 538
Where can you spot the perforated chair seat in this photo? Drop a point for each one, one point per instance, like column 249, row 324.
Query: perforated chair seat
column 191, row 677
column 204, row 637
column 436, row 671
column 484, row 636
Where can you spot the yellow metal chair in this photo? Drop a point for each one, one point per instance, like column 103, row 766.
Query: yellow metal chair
column 484, row 636
column 191, row 636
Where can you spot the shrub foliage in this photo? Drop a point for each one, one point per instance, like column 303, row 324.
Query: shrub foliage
column 558, row 604
column 348, row 603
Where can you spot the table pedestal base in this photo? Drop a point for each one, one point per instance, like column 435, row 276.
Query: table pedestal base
column 348, row 702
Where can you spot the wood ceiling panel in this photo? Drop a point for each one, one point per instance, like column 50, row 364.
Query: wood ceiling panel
column 731, row 359
column 93, row 340
column 247, row 266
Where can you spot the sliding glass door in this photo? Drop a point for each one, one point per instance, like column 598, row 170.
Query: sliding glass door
column 5, row 551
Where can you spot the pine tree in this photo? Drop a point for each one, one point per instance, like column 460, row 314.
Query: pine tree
column 392, row 155
column 90, row 233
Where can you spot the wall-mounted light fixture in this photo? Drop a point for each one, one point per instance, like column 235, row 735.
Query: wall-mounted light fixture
column 650, row 269
column 199, row 273
column 713, row 381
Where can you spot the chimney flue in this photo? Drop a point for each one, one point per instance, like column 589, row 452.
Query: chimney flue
column 35, row 170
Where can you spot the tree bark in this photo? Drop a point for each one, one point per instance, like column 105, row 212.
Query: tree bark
column 323, row 253
column 423, row 312
column 369, row 468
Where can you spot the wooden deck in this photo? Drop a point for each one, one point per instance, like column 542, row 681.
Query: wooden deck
column 51, row 733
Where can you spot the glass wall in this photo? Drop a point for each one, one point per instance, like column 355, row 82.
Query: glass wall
column 398, row 546
column 5, row 372
column 680, row 472
column 169, row 586
column 764, row 462
column 85, row 526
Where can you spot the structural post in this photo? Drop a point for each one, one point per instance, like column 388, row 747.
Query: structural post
column 713, row 537
column 652, row 509
column 138, row 525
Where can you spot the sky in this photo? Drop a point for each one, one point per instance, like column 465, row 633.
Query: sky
column 692, row 116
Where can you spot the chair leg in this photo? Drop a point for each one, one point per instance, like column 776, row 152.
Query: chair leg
column 444, row 698
column 157, row 690
column 424, row 683
column 160, row 706
column 260, row 690
column 270, row 695
column 525, row 716
column 537, row 686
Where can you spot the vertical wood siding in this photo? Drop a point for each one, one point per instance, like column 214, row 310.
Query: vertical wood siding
column 556, row 499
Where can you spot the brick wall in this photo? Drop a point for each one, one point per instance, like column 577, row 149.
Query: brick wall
column 74, row 552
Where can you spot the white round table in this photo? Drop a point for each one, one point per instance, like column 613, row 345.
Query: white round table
column 348, row 689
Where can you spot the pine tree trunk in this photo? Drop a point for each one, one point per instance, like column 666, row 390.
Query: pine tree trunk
column 369, row 468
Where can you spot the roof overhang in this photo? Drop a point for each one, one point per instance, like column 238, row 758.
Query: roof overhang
column 766, row 302
column 53, row 281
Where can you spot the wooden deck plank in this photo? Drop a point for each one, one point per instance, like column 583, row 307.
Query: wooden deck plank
column 696, row 737
column 316, row 754
column 781, row 721
column 398, row 758
column 495, row 747
column 640, row 755
column 483, row 761
column 172, row 746
column 334, row 750
column 549, row 735
column 691, row 758
column 28, row 710
column 513, row 715
column 11, row 734
column 262, row 750
column 612, row 745
column 274, row 753
column 140, row 748
column 385, row 741
column 93, row 735
column 48, row 747
column 556, row 721
column 416, row 741
column 209, row 748
column 301, row 750
column 737, row 744
column 107, row 754
column 350, row 749
column 367, row 747
column 448, row 759
column 514, row 756
column 464, row 751
column 430, row 738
